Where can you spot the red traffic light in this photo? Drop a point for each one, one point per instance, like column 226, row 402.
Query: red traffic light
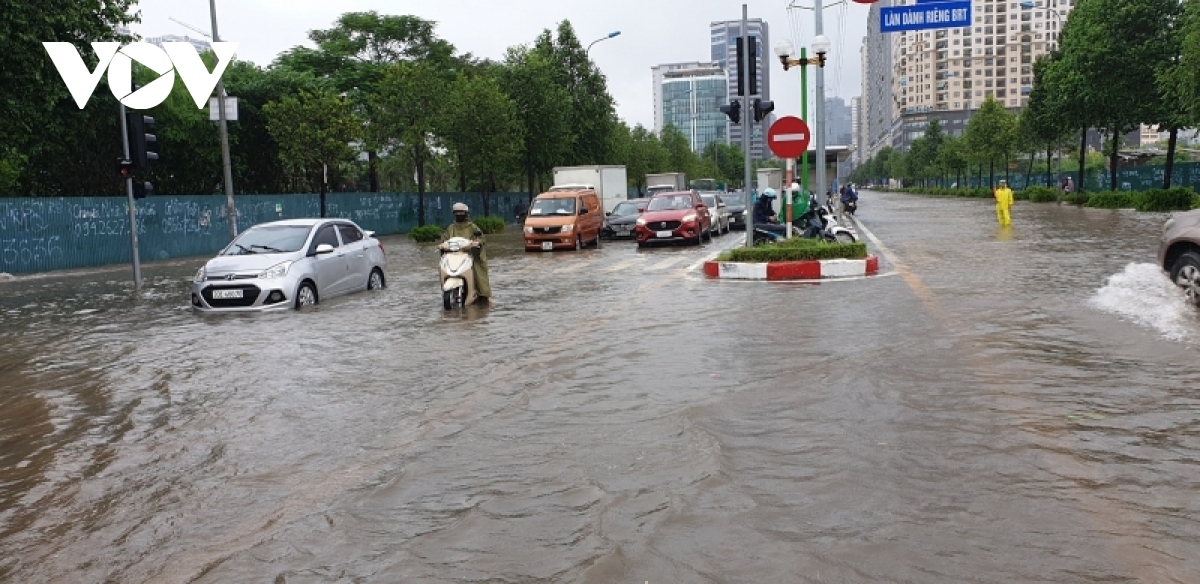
column 124, row 167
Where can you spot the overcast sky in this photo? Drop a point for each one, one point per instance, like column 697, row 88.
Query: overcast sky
column 652, row 32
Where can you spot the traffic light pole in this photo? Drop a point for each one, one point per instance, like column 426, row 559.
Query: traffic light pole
column 228, row 169
column 133, row 229
column 746, row 125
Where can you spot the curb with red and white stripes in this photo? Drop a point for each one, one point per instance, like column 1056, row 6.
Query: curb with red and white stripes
column 802, row 270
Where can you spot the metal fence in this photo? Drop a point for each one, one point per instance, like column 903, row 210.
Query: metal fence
column 1142, row 178
column 39, row 234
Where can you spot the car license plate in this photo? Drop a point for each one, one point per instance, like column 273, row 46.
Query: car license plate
column 663, row 234
column 623, row 230
column 547, row 245
column 227, row 294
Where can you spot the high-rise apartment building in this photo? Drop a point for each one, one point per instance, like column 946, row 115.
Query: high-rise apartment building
column 946, row 74
column 880, row 109
column 855, row 129
column 838, row 122
column 723, row 36
column 690, row 98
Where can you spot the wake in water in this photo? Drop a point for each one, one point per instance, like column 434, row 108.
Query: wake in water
column 1145, row 295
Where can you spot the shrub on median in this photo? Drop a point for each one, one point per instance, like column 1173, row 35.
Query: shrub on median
column 1041, row 194
column 1113, row 200
column 490, row 224
column 794, row 250
column 1077, row 198
column 426, row 233
column 1173, row 199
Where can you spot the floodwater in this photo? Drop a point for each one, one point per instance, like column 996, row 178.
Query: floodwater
column 999, row 406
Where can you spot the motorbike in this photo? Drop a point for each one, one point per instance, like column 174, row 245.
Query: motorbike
column 850, row 206
column 820, row 221
column 455, row 268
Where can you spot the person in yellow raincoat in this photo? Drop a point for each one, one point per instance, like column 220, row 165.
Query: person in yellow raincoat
column 1004, row 201
column 465, row 228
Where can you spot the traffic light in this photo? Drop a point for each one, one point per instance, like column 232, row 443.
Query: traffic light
column 124, row 167
column 142, row 189
column 762, row 108
column 140, row 140
column 750, row 77
column 733, row 110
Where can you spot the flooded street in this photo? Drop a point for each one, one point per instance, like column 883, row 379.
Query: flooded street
column 996, row 406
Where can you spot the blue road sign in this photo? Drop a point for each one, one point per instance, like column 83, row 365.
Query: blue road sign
column 941, row 14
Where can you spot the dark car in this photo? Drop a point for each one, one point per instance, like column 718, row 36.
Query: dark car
column 1179, row 252
column 735, row 204
column 674, row 216
column 619, row 222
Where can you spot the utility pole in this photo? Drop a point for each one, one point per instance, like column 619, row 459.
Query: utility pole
column 746, row 125
column 818, row 128
column 230, row 207
column 133, row 229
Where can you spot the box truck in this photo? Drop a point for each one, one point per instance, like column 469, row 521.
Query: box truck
column 609, row 181
column 665, row 181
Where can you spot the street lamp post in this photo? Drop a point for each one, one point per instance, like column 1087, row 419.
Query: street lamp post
column 225, row 162
column 784, row 50
column 603, row 38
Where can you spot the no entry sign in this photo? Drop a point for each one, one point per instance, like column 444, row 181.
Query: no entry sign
column 788, row 137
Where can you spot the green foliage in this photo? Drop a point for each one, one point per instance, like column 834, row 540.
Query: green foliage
column 796, row 249
column 1041, row 194
column 1174, row 199
column 528, row 77
column 1077, row 198
column 490, row 224
column 481, row 127
column 592, row 109
column 991, row 133
column 312, row 130
column 427, row 233
column 1113, row 200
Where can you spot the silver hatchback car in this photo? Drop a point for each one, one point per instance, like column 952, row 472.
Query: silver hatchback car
column 289, row 264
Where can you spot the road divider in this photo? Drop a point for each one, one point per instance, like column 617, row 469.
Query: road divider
column 801, row 270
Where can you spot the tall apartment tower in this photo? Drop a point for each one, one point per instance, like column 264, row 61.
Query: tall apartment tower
column 724, row 37
column 880, row 109
column 946, row 74
column 855, row 129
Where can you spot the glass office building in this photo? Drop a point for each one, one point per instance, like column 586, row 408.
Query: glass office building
column 692, row 101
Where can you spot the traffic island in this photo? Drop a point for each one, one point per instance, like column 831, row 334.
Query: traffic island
column 794, row 259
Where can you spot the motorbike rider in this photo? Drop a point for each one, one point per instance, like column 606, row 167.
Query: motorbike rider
column 764, row 213
column 465, row 228
column 849, row 198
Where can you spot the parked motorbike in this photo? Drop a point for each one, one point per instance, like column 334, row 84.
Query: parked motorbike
column 455, row 268
column 820, row 222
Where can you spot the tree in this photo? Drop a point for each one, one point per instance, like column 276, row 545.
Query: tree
column 679, row 150
column 592, row 109
column 952, row 157
column 354, row 53
column 1044, row 121
column 1179, row 81
column 730, row 161
column 480, row 125
column 990, row 135
column 35, row 103
column 407, row 110
column 529, row 80
column 313, row 131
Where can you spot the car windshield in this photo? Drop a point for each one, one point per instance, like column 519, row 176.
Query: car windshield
column 709, row 200
column 625, row 209
column 266, row 239
column 564, row 206
column 670, row 202
column 732, row 200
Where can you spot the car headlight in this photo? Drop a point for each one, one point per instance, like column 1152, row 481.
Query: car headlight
column 200, row 276
column 528, row 229
column 641, row 222
column 1168, row 225
column 568, row 228
column 690, row 217
column 276, row 271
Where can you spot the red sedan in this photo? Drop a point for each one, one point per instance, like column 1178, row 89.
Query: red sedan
column 674, row 216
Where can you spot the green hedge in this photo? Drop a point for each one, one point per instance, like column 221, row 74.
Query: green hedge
column 426, row 233
column 1077, row 198
column 1173, row 199
column 1041, row 194
column 490, row 224
column 796, row 249
column 1113, row 200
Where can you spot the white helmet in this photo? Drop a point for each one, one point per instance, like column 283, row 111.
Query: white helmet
column 460, row 207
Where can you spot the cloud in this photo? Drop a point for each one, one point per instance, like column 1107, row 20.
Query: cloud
column 652, row 32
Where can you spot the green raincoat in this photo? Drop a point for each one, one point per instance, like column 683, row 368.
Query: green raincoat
column 479, row 269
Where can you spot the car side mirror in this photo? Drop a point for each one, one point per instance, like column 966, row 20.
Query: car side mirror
column 641, row 209
column 478, row 233
column 583, row 211
column 322, row 249
column 608, row 214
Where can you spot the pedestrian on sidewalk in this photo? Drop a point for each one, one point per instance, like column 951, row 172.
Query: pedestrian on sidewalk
column 1004, row 201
